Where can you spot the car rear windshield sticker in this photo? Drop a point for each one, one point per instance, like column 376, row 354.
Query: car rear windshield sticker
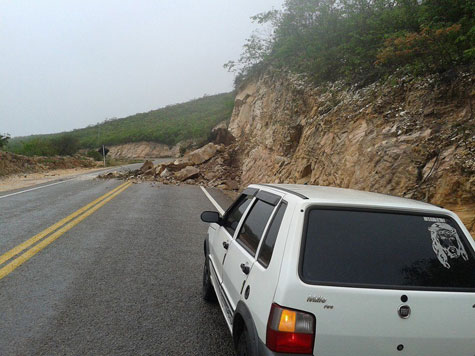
column 446, row 243
column 432, row 219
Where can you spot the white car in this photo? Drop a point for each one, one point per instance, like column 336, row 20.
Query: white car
column 324, row 271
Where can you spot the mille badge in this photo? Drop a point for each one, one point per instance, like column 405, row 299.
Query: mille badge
column 312, row 299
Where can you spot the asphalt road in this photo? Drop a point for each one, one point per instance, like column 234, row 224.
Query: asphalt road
column 124, row 280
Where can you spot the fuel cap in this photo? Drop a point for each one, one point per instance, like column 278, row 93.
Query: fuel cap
column 404, row 311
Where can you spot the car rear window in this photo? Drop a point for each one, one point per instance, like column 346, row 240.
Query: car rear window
column 365, row 249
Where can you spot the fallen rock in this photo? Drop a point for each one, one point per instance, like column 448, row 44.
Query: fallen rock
column 222, row 136
column 150, row 172
column 202, row 154
column 166, row 173
column 232, row 184
column 148, row 165
column 229, row 185
column 181, row 163
column 159, row 169
column 187, row 173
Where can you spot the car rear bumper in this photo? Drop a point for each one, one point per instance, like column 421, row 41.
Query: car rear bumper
column 264, row 351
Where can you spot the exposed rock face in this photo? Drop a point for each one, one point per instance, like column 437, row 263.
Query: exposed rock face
column 143, row 150
column 411, row 138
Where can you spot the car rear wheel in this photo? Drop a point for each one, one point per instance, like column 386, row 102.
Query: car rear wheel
column 208, row 292
column 243, row 347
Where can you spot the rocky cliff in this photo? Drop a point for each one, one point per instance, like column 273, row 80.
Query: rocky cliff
column 143, row 150
column 403, row 136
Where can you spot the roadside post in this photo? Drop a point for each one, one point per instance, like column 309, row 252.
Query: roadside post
column 103, row 151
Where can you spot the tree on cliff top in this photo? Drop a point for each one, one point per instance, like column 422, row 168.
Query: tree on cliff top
column 361, row 39
column 4, row 140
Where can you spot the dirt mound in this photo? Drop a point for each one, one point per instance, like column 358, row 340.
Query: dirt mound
column 14, row 164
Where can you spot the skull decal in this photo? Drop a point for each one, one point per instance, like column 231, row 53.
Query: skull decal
column 446, row 243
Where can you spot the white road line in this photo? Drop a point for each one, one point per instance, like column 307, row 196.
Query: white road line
column 79, row 176
column 29, row 190
column 216, row 205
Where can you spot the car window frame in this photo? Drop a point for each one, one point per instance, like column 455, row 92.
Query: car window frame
column 272, row 198
column 266, row 231
column 309, row 208
column 246, row 192
column 233, row 205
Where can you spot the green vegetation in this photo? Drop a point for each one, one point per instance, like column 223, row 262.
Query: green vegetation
column 94, row 154
column 361, row 40
column 4, row 140
column 169, row 125
column 51, row 145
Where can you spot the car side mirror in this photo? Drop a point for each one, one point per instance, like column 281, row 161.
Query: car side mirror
column 211, row 217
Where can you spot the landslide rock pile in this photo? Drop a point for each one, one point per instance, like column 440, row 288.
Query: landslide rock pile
column 404, row 136
column 213, row 165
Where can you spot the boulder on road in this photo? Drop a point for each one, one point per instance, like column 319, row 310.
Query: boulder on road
column 159, row 169
column 147, row 165
column 181, row 163
column 202, row 154
column 166, row 173
column 187, row 173
column 150, row 172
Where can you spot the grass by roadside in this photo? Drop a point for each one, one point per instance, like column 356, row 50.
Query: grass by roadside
column 25, row 180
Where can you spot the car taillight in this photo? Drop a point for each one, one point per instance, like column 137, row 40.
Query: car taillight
column 290, row 331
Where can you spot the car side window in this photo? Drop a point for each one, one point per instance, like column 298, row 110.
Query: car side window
column 231, row 220
column 265, row 253
column 254, row 225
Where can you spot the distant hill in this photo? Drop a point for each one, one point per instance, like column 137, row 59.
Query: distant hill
column 168, row 125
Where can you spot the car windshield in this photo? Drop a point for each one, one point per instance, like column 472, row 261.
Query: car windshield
column 361, row 248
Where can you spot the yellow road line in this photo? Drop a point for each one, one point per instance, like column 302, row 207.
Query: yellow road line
column 16, row 250
column 4, row 271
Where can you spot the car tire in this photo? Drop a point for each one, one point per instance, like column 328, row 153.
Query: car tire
column 208, row 292
column 243, row 347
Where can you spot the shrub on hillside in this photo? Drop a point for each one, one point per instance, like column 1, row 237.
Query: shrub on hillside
column 428, row 50
column 37, row 147
column 358, row 39
column 94, row 154
column 4, row 140
column 65, row 145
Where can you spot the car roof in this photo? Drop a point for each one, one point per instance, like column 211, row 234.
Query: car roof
column 349, row 197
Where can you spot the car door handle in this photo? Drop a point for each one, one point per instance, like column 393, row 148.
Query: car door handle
column 225, row 245
column 245, row 269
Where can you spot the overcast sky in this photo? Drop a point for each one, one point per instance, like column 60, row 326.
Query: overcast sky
column 66, row 64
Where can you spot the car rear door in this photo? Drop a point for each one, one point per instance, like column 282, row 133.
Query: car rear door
column 242, row 250
column 381, row 283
